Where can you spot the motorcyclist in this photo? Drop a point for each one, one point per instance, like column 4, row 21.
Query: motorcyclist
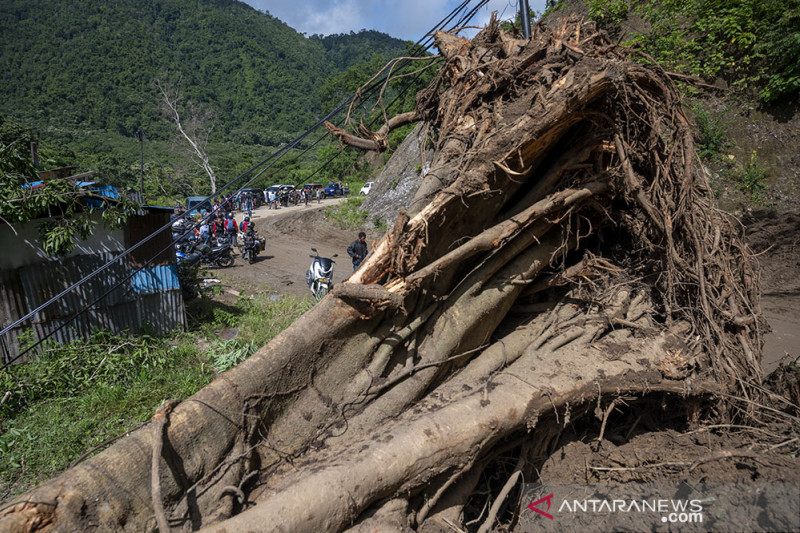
column 251, row 240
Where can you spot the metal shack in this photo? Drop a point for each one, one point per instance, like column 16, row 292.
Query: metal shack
column 147, row 299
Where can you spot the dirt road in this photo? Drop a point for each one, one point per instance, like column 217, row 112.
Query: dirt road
column 291, row 232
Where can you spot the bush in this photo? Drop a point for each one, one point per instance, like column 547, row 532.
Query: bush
column 753, row 44
column 712, row 135
column 752, row 178
column 76, row 396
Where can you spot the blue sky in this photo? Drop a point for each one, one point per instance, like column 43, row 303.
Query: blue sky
column 404, row 19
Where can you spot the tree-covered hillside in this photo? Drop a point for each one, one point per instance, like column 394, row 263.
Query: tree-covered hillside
column 91, row 65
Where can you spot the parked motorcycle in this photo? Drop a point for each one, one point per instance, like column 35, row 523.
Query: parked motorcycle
column 220, row 255
column 187, row 273
column 320, row 275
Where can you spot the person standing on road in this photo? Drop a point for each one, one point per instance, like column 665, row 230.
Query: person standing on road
column 248, row 205
column 231, row 228
column 358, row 250
column 319, row 196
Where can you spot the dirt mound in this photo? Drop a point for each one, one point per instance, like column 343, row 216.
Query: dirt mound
column 305, row 225
column 775, row 239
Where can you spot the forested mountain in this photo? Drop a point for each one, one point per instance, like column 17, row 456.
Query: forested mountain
column 91, row 65
column 348, row 49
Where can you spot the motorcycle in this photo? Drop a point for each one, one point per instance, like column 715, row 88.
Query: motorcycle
column 320, row 275
column 187, row 273
column 252, row 245
column 220, row 255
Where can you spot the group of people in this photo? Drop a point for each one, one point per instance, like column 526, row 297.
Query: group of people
column 276, row 199
column 210, row 227
column 215, row 225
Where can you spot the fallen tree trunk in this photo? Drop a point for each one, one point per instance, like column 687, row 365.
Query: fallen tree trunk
column 560, row 251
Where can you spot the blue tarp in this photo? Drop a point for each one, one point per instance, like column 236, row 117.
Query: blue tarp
column 156, row 279
column 107, row 191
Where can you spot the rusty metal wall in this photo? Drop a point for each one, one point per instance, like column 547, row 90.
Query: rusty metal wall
column 151, row 301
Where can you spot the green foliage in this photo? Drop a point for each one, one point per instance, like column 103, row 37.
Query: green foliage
column 105, row 398
column 348, row 214
column 608, row 11
column 264, row 81
column 753, row 44
column 780, row 45
column 397, row 136
column 712, row 135
column 59, row 206
column 102, row 361
column 339, row 163
column 516, row 25
column 227, row 354
column 253, row 69
column 752, row 177
column 268, row 315
column 379, row 223
column 346, row 50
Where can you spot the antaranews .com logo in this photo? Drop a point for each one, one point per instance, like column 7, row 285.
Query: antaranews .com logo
column 730, row 508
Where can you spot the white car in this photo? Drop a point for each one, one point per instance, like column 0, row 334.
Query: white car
column 366, row 188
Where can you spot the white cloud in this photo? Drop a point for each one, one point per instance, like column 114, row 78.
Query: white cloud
column 409, row 19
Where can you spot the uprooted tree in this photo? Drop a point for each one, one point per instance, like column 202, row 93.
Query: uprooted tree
column 562, row 251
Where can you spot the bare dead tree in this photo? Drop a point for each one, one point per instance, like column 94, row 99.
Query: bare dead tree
column 195, row 127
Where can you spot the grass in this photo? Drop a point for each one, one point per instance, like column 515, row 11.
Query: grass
column 348, row 214
column 712, row 136
column 77, row 396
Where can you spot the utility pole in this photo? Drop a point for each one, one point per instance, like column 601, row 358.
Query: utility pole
column 140, row 135
column 35, row 154
column 525, row 15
